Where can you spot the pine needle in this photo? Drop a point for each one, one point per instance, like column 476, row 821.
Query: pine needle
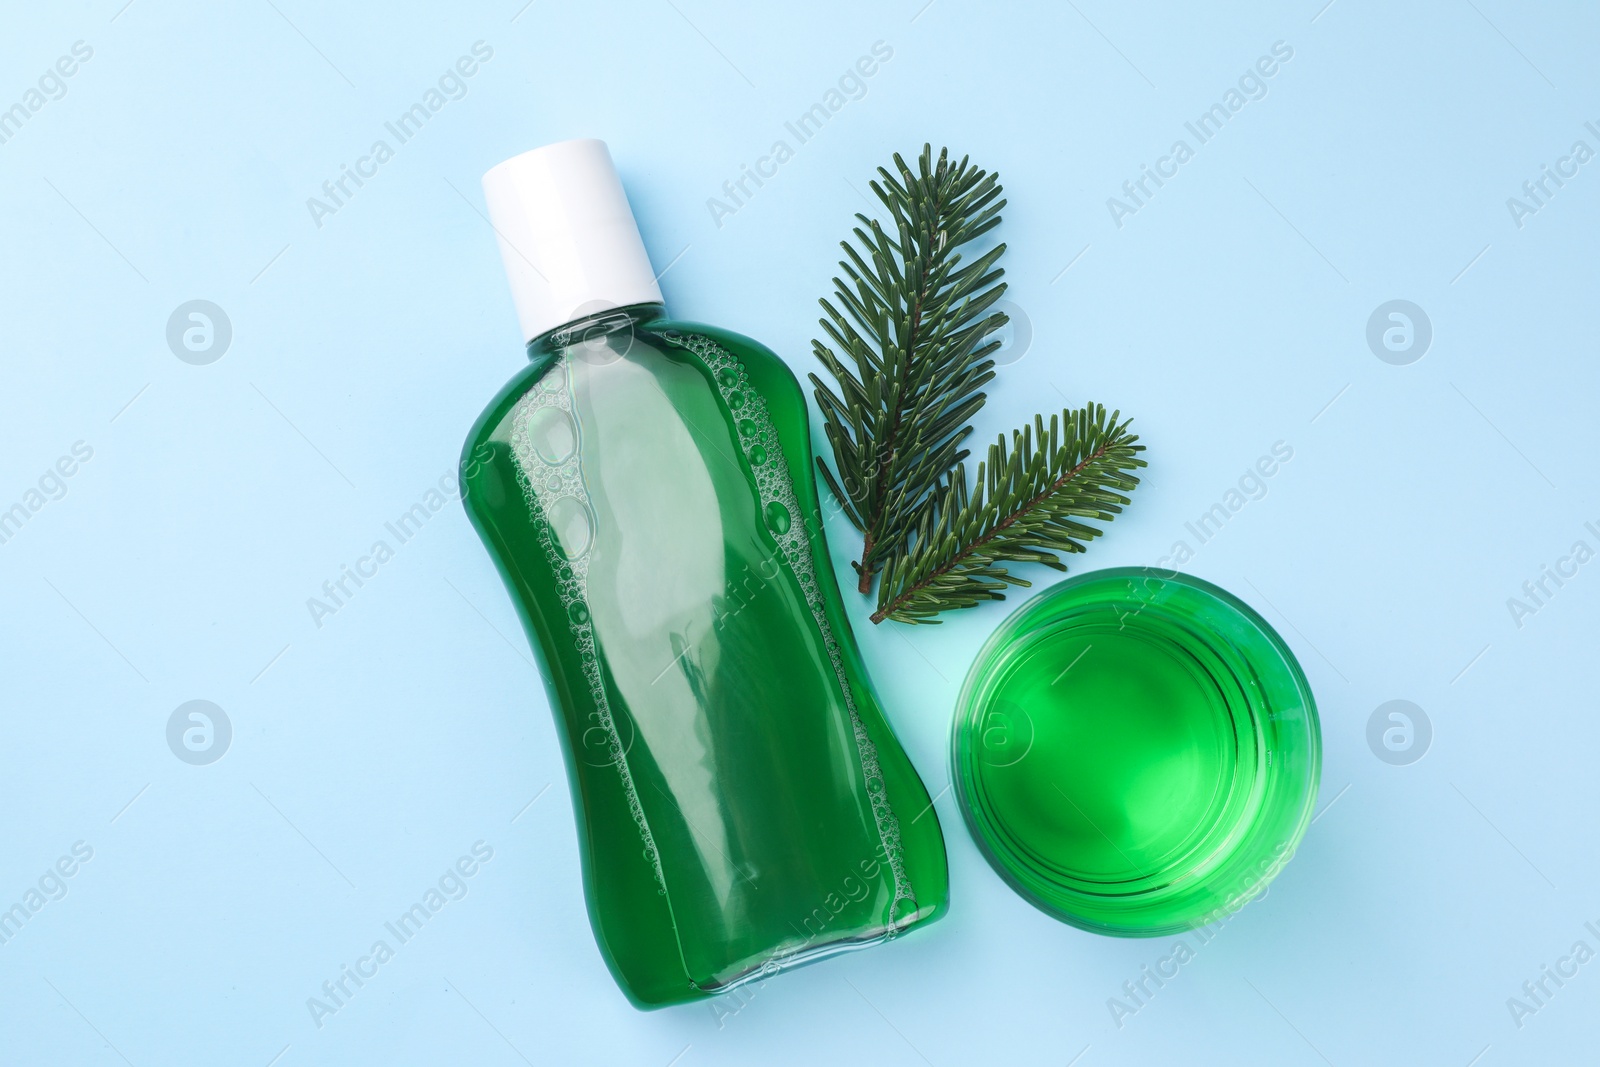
column 908, row 351
column 1029, row 503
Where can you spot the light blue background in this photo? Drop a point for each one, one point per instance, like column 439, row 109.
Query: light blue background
column 1226, row 315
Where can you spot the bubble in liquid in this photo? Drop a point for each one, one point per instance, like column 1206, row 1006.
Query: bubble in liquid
column 747, row 428
column 777, row 518
column 578, row 612
column 727, row 378
column 572, row 525
column 553, row 435
column 758, row 455
column 735, row 401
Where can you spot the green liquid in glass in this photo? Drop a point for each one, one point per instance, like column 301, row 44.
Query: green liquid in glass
column 1136, row 751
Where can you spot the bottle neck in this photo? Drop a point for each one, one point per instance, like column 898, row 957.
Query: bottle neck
column 594, row 329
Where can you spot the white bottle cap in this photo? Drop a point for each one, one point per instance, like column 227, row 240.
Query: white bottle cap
column 567, row 235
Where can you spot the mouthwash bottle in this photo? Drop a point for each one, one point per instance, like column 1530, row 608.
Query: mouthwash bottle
column 644, row 487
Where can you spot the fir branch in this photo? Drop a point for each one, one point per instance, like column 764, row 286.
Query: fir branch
column 908, row 350
column 908, row 344
column 1028, row 504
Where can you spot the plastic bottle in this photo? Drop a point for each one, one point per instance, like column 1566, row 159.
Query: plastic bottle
column 644, row 488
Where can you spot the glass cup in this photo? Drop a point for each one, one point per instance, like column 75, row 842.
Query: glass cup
column 1137, row 752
